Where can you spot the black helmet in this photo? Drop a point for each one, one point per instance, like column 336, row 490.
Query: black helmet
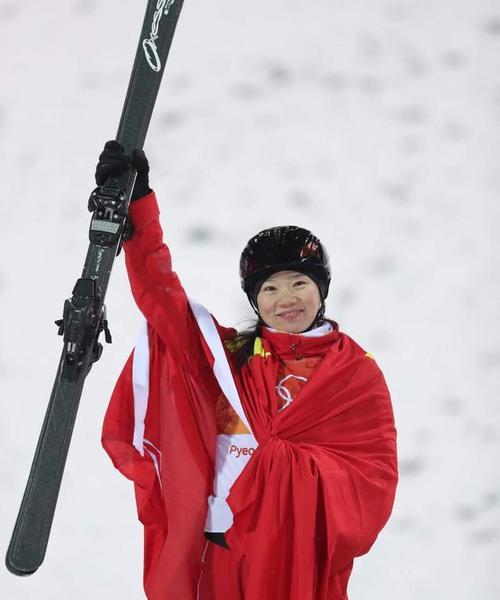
column 280, row 249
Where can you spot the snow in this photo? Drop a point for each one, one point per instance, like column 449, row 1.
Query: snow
column 375, row 124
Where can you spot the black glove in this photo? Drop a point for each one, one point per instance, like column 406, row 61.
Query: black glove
column 113, row 162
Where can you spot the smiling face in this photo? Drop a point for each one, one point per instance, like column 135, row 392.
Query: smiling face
column 288, row 301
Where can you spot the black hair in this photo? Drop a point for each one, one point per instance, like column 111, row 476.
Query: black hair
column 245, row 340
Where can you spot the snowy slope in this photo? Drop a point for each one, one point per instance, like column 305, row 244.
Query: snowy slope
column 376, row 125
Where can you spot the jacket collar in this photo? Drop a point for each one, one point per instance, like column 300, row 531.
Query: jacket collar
column 299, row 345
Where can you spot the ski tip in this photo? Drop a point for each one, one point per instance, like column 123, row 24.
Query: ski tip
column 16, row 568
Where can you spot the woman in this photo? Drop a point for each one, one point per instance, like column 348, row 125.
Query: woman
column 264, row 461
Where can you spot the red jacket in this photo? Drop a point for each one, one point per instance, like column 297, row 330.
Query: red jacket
column 319, row 487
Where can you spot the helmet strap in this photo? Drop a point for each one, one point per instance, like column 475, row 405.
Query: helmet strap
column 319, row 318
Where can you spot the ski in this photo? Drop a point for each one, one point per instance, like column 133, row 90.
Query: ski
column 84, row 315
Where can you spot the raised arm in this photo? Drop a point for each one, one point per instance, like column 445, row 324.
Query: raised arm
column 156, row 288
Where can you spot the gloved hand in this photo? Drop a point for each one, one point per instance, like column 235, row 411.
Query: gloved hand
column 113, row 162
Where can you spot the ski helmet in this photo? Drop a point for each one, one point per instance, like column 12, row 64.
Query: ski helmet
column 281, row 249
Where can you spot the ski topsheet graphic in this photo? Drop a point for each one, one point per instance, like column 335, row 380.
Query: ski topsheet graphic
column 84, row 316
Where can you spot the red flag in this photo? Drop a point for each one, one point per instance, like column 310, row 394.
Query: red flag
column 321, row 484
column 171, row 463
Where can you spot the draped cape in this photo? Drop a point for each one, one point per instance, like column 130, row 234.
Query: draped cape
column 314, row 495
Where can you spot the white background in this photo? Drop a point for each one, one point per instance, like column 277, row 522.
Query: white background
column 374, row 123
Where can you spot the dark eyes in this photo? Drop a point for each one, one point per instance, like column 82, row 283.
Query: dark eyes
column 272, row 288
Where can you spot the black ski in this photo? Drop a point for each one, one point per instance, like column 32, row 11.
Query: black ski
column 84, row 317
